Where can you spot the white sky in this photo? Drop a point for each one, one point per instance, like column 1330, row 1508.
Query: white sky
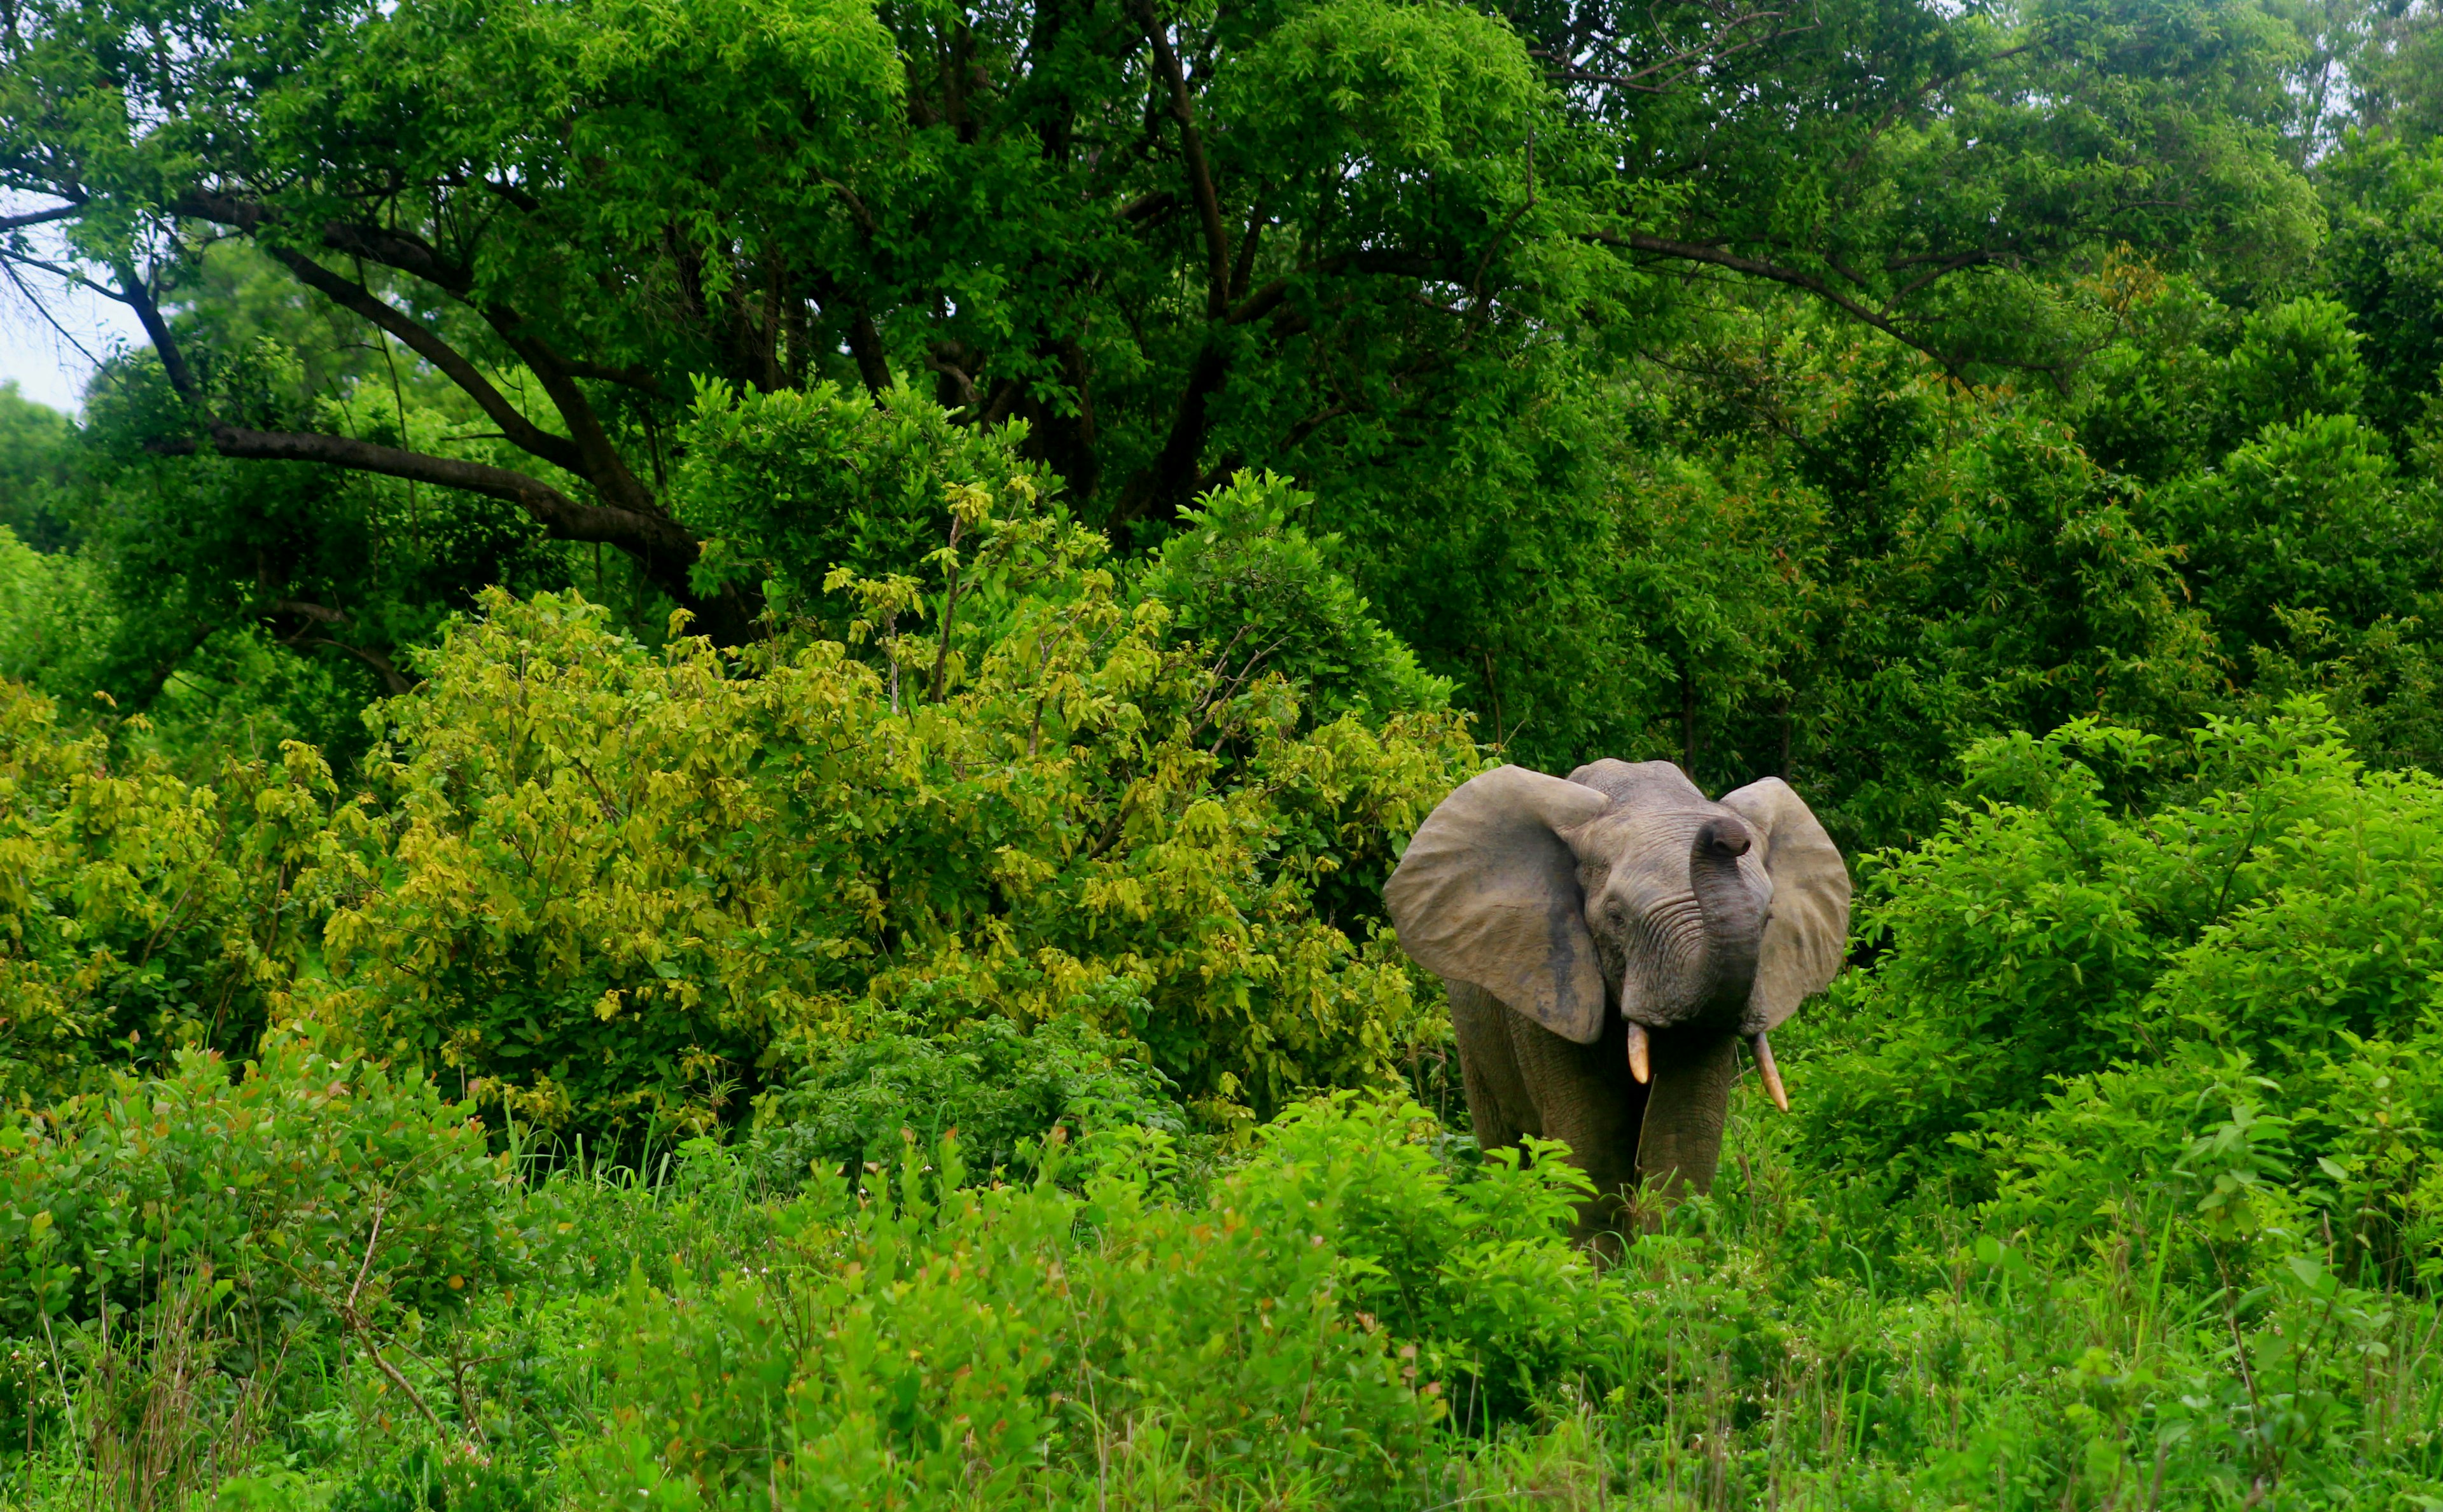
column 46, row 367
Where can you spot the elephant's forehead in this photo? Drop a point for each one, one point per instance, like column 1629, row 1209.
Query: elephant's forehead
column 1632, row 833
column 1645, row 847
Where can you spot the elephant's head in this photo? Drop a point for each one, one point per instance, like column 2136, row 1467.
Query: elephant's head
column 1623, row 891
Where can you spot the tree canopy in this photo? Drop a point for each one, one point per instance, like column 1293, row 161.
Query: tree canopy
column 1777, row 388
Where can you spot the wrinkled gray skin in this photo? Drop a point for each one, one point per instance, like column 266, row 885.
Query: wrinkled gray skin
column 1559, row 914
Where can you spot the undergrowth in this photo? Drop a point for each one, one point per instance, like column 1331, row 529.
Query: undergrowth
column 1358, row 1311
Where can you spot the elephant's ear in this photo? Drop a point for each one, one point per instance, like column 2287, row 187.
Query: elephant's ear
column 1488, row 893
column 1809, row 933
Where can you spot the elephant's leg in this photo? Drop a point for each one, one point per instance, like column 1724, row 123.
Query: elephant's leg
column 1587, row 1099
column 1681, row 1138
column 1498, row 1108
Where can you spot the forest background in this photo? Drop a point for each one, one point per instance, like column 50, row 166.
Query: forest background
column 697, row 762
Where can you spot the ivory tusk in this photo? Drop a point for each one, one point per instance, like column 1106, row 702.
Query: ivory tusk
column 1639, row 1065
column 1771, row 1075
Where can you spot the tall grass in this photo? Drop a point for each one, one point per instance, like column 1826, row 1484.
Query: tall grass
column 1777, row 1345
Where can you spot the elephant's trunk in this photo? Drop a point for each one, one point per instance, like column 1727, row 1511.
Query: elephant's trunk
column 1733, row 914
column 1690, row 1067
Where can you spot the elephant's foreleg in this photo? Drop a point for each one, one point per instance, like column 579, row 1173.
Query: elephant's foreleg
column 1499, row 1105
column 1585, row 1098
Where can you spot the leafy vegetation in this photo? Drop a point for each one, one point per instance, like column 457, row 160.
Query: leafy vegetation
column 696, row 763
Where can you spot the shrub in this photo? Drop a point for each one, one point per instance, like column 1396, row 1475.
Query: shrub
column 140, row 913
column 1242, row 576
column 610, row 883
column 311, row 1184
column 1471, row 1262
column 998, row 1087
column 2083, row 1007
column 1295, row 1336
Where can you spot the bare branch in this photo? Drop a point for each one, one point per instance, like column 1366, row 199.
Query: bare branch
column 57, row 212
column 633, row 377
column 655, row 537
column 136, row 293
column 408, row 253
column 599, row 461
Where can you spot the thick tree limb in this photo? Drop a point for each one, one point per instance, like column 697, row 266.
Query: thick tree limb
column 650, row 538
column 630, row 377
column 1148, row 206
column 408, row 254
column 136, row 293
column 323, row 614
column 599, row 461
column 1158, row 490
column 1200, row 173
column 57, row 212
column 394, row 682
column 515, row 428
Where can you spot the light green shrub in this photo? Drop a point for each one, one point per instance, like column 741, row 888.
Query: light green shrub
column 614, row 885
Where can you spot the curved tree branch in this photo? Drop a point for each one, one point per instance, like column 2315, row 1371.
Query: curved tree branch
column 664, row 547
column 1200, row 173
column 515, row 428
column 1775, row 272
column 136, row 293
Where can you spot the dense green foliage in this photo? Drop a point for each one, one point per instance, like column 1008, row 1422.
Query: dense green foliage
column 1614, row 354
column 695, row 766
column 1355, row 1312
column 265, row 1189
column 2071, row 990
column 609, row 886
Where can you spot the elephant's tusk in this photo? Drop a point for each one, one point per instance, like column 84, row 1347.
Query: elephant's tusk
column 1771, row 1076
column 1639, row 1065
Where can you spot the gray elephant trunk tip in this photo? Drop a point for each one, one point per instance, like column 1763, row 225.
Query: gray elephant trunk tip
column 1722, row 839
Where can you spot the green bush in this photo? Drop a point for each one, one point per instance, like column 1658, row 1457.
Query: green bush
column 998, row 1087
column 613, row 885
column 139, row 912
column 309, row 1185
column 2079, row 1002
column 1469, row 1260
column 1242, row 576
column 1298, row 1335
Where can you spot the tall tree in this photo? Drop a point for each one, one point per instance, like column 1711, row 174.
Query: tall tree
column 1173, row 240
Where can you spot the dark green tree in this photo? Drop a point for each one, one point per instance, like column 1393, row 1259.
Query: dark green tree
column 1312, row 237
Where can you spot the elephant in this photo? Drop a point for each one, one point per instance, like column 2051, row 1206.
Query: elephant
column 1608, row 940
